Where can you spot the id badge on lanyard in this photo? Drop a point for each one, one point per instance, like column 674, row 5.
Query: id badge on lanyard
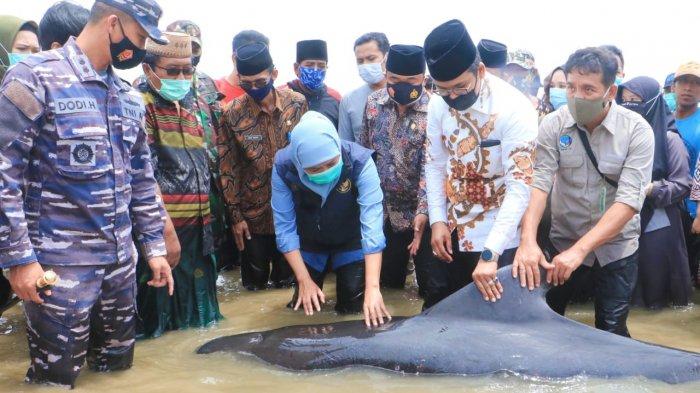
column 601, row 198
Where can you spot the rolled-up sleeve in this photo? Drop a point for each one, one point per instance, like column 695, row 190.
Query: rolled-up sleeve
column 636, row 170
column 546, row 153
column 22, row 108
column 284, row 215
column 518, row 147
column 435, row 164
column 371, row 209
column 146, row 206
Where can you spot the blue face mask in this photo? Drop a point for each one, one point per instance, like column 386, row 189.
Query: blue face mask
column 16, row 57
column 329, row 175
column 371, row 73
column 618, row 80
column 557, row 97
column 670, row 99
column 312, row 78
column 259, row 94
column 174, row 89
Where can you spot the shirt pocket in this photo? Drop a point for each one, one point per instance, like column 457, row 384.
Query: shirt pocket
column 571, row 166
column 611, row 167
column 492, row 154
column 82, row 147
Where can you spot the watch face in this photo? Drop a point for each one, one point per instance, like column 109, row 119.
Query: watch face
column 487, row 255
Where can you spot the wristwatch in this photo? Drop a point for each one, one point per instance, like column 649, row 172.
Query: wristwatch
column 489, row 256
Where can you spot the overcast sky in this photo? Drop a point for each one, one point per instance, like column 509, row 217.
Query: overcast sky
column 655, row 36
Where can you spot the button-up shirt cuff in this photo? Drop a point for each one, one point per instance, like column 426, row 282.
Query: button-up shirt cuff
column 16, row 256
column 287, row 244
column 542, row 184
column 422, row 209
column 631, row 196
column 154, row 249
column 235, row 214
column 496, row 243
column 373, row 245
column 437, row 214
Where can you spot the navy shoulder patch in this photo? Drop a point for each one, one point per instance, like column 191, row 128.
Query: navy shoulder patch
column 23, row 99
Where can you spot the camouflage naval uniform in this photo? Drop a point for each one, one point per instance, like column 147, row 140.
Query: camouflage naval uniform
column 76, row 176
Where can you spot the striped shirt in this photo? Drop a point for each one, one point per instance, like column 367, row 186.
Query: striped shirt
column 180, row 159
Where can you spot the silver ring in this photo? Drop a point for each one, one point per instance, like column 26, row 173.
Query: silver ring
column 434, row 253
column 495, row 279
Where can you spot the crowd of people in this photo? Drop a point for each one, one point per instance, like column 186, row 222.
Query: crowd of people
column 452, row 159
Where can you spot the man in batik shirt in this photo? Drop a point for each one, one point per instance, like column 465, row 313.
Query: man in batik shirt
column 394, row 126
column 481, row 134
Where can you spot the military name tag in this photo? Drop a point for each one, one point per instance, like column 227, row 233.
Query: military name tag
column 65, row 106
column 131, row 108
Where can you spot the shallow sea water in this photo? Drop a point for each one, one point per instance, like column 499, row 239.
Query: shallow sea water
column 169, row 363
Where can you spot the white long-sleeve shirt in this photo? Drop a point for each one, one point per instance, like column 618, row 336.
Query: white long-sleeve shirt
column 479, row 166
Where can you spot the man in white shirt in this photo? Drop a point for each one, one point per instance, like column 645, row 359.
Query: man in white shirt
column 481, row 134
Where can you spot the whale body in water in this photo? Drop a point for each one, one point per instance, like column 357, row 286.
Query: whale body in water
column 465, row 335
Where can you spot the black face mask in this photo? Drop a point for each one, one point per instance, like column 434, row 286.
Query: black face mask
column 464, row 101
column 636, row 106
column 124, row 53
column 404, row 93
column 195, row 60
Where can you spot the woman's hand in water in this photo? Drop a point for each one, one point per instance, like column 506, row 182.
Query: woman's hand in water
column 374, row 308
column 310, row 296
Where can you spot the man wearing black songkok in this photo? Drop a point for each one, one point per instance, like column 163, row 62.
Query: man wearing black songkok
column 494, row 55
column 254, row 128
column 394, row 125
column 481, row 134
column 310, row 69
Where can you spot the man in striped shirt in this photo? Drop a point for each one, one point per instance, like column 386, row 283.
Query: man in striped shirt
column 181, row 167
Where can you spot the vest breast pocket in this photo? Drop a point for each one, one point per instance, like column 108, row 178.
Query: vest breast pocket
column 82, row 146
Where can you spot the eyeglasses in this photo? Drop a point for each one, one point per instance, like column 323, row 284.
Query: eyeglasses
column 185, row 71
column 258, row 84
column 459, row 91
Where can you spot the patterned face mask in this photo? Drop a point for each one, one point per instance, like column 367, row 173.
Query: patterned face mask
column 312, row 78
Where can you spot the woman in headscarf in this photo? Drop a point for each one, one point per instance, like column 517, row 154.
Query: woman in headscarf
column 664, row 275
column 554, row 93
column 18, row 39
column 327, row 205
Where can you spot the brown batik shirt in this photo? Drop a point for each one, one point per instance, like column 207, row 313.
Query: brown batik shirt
column 249, row 139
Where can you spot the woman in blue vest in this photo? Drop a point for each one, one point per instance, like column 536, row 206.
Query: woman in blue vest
column 327, row 206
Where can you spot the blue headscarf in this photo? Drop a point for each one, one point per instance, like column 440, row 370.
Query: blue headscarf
column 313, row 141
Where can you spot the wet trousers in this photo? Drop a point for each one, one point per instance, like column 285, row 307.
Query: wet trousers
column 259, row 254
column 613, row 285
column 90, row 315
column 349, row 287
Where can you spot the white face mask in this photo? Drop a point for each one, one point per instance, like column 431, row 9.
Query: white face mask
column 371, row 73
